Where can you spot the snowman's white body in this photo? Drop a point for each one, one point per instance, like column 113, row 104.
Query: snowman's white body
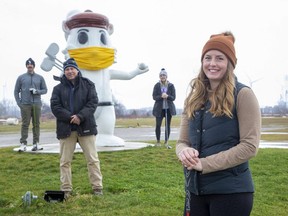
column 105, row 114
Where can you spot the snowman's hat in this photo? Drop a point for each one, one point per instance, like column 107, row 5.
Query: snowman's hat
column 89, row 19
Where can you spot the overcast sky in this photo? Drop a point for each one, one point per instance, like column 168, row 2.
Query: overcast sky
column 166, row 34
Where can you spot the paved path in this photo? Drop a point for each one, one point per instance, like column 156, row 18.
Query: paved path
column 50, row 144
column 128, row 134
column 132, row 137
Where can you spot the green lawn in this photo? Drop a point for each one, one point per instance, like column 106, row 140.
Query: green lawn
column 146, row 181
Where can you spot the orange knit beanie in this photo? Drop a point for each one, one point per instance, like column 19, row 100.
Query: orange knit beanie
column 224, row 43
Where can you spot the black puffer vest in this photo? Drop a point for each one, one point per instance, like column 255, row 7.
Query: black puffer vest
column 211, row 135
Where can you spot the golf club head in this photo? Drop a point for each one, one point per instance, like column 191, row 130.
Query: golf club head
column 27, row 198
column 47, row 64
column 52, row 50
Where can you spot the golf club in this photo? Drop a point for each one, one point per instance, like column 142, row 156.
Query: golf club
column 48, row 64
column 166, row 130
column 50, row 61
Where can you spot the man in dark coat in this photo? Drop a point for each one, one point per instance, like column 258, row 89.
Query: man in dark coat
column 73, row 103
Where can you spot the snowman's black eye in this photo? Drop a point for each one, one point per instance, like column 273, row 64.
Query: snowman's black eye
column 103, row 37
column 82, row 37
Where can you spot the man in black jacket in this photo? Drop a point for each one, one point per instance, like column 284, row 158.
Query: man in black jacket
column 73, row 102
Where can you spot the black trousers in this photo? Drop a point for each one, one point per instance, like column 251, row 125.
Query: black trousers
column 221, row 205
column 159, row 123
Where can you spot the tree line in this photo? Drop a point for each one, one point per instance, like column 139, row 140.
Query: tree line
column 9, row 109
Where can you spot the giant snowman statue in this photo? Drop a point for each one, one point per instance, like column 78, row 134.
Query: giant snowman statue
column 88, row 42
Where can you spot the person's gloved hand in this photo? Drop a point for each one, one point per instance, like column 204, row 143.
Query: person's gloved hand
column 33, row 90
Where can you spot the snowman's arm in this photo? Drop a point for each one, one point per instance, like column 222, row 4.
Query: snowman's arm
column 122, row 75
column 127, row 75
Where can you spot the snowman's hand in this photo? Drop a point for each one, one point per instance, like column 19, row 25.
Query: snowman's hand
column 143, row 68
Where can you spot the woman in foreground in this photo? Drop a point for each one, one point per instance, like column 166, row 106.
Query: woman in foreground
column 219, row 133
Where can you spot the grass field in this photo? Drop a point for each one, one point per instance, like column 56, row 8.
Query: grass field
column 146, row 181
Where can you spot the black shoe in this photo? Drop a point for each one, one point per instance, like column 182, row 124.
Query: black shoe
column 67, row 194
column 98, row 192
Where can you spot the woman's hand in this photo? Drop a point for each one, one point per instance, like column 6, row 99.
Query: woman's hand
column 189, row 159
column 164, row 95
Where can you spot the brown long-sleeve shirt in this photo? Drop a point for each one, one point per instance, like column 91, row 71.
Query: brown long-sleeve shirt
column 249, row 117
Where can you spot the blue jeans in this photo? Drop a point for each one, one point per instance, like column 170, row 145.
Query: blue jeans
column 165, row 113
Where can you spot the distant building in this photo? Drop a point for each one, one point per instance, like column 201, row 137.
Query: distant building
column 3, row 122
column 12, row 121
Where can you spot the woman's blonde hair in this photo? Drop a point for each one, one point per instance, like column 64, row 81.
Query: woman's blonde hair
column 222, row 99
